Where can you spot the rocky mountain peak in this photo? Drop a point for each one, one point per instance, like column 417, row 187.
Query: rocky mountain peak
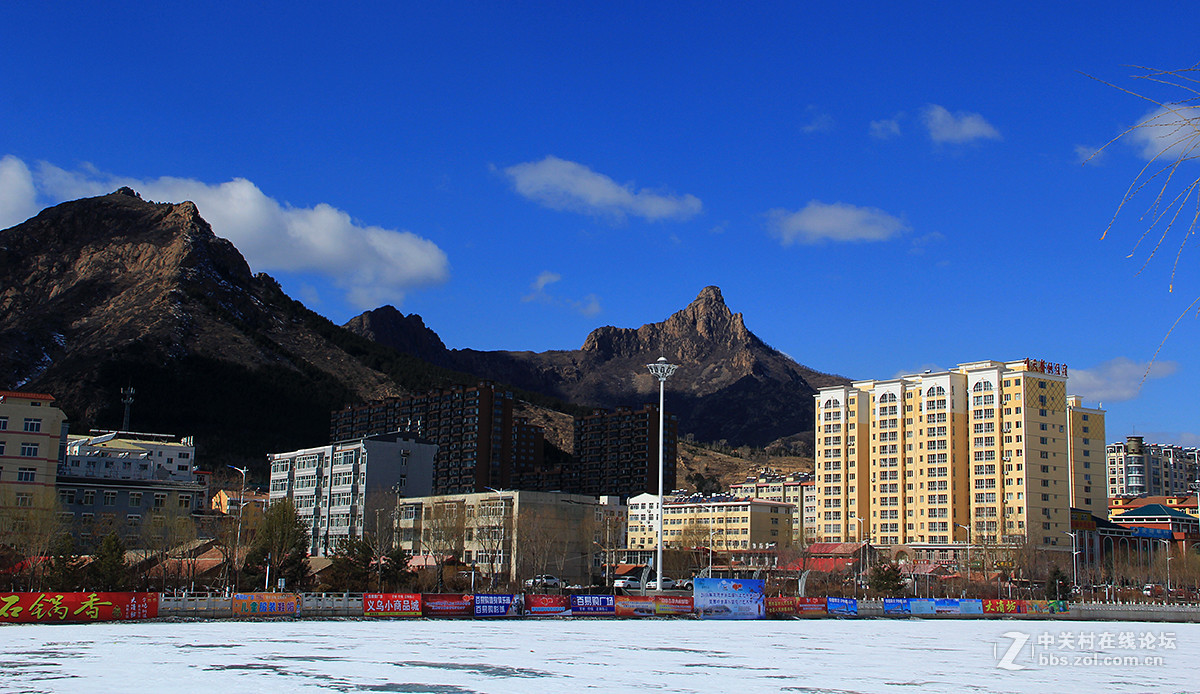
column 387, row 325
column 705, row 326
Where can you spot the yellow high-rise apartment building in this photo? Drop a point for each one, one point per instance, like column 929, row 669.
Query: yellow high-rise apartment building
column 987, row 453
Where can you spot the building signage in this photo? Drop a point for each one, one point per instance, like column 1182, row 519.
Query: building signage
column 635, row 605
column 896, row 606
column 1046, row 367
column 548, row 605
column 392, row 604
column 1003, row 606
column 590, row 605
column 265, row 604
column 77, row 607
column 493, row 605
column 729, row 598
column 672, row 604
column 447, row 605
column 842, row 606
column 782, row 606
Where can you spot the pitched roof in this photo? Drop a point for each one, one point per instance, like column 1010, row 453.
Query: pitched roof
column 1154, row 511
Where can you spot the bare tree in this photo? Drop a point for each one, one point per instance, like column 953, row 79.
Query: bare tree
column 1169, row 136
column 443, row 533
column 30, row 520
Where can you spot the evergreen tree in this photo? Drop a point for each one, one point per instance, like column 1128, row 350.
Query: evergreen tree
column 1058, row 585
column 66, row 567
column 886, row 579
column 281, row 547
column 351, row 566
column 108, row 570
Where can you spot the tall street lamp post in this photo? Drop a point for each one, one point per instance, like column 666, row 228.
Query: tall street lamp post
column 237, row 543
column 968, row 567
column 1074, row 561
column 661, row 370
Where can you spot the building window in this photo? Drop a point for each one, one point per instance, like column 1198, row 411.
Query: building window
column 3, row 423
column 29, row 450
column 24, row 500
column 26, row 474
column 160, row 500
column 135, row 499
column 89, row 498
column 110, row 498
column 66, row 496
column 185, row 501
column 33, row 425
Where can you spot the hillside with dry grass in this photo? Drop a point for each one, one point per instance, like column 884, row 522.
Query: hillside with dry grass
column 730, row 467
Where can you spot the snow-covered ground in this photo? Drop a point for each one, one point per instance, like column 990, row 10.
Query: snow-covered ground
column 457, row 657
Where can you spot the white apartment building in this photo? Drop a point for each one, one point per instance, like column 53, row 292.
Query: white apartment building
column 344, row 489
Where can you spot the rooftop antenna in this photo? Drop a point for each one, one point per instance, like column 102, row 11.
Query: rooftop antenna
column 127, row 398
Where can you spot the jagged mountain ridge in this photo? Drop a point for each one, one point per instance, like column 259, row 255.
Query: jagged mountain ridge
column 730, row 384
column 114, row 291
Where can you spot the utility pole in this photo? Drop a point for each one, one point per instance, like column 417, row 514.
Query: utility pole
column 237, row 543
column 127, row 399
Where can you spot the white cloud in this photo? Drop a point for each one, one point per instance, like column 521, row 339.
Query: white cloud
column 371, row 264
column 566, row 185
column 18, row 199
column 588, row 306
column 885, row 129
column 958, row 127
column 817, row 121
column 1086, row 154
column 1168, row 133
column 838, row 221
column 1117, row 379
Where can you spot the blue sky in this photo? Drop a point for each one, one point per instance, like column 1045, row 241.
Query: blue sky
column 878, row 188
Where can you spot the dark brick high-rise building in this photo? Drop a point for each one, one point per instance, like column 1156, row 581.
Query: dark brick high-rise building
column 617, row 453
column 480, row 443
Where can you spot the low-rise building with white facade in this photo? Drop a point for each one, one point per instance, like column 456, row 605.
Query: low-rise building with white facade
column 345, row 489
column 119, row 481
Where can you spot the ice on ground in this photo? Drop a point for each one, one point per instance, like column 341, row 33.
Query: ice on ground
column 460, row 657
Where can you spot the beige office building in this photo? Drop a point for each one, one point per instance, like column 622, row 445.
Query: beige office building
column 515, row 535
column 722, row 522
column 987, row 453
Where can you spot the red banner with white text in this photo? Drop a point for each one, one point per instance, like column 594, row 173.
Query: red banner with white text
column 77, row 607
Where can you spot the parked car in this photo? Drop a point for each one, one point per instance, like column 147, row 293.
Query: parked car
column 543, row 581
column 685, row 584
column 668, row 583
column 628, row 583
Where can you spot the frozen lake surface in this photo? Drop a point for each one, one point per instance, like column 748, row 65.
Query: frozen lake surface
column 458, row 657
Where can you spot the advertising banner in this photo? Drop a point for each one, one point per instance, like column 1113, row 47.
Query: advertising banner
column 810, row 607
column 729, row 598
column 77, row 607
column 841, row 606
column 1003, row 606
column 392, row 604
column 548, row 605
column 970, row 606
column 782, row 606
column 635, row 605
column 493, row 605
column 447, row 605
column 922, row 606
column 593, row 605
column 1057, row 606
column 266, row 604
column 896, row 606
column 1037, row 606
column 672, row 604
column 946, row 606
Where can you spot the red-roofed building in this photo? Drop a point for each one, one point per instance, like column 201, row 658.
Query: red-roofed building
column 33, row 439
